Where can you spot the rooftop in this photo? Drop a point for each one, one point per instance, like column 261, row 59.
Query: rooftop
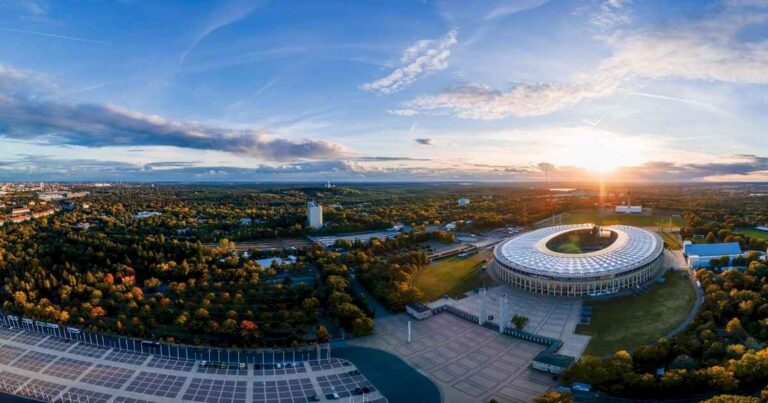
column 632, row 248
column 712, row 249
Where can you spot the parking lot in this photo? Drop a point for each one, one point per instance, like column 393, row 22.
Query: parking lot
column 48, row 368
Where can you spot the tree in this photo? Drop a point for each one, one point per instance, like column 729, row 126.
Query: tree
column 553, row 397
column 735, row 330
column 732, row 399
column 322, row 334
column 97, row 312
column 520, row 321
column 230, row 326
column 362, row 326
column 720, row 378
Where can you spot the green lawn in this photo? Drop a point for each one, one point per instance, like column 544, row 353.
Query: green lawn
column 453, row 276
column 624, row 323
column 625, row 219
column 672, row 240
column 753, row 233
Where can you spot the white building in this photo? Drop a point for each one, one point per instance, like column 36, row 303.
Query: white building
column 315, row 215
column 629, row 209
column 463, row 201
column 146, row 214
column 418, row 310
column 701, row 255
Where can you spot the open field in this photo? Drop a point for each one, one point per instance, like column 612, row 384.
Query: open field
column 673, row 241
column 753, row 233
column 624, row 323
column 625, row 219
column 453, row 276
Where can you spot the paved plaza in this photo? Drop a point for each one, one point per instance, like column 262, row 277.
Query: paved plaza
column 549, row 316
column 51, row 369
column 469, row 363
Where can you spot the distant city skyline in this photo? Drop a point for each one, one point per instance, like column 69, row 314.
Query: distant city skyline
column 238, row 90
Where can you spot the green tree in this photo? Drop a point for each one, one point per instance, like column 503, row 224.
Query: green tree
column 520, row 321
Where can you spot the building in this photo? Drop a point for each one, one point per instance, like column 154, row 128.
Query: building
column 146, row 214
column 314, row 215
column 700, row 255
column 463, row 201
column 544, row 261
column 19, row 211
column 418, row 310
column 43, row 213
column 50, row 196
column 629, row 209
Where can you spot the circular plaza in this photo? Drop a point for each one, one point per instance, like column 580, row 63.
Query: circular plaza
column 579, row 259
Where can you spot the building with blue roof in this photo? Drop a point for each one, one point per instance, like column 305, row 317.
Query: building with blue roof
column 701, row 254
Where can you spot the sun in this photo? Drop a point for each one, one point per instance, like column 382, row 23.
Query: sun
column 600, row 152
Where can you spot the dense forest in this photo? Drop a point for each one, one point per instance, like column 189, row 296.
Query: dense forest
column 95, row 263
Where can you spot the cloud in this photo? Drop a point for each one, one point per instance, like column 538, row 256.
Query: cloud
column 403, row 112
column 509, row 8
column 420, row 59
column 425, row 142
column 42, row 117
column 28, row 8
column 606, row 15
column 708, row 50
column 733, row 167
column 230, row 13
column 476, row 101
column 56, row 36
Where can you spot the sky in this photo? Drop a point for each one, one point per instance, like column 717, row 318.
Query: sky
column 432, row 90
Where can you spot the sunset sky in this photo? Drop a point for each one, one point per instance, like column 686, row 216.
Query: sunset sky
column 384, row 90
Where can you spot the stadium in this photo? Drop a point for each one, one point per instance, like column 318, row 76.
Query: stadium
column 580, row 259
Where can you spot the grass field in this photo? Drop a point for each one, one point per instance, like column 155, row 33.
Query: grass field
column 672, row 240
column 453, row 276
column 624, row 323
column 753, row 233
column 613, row 219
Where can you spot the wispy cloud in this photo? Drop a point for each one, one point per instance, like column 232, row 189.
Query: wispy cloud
column 57, row 36
column 230, row 13
column 605, row 15
column 513, row 7
column 420, row 59
column 707, row 51
column 476, row 101
column 675, row 99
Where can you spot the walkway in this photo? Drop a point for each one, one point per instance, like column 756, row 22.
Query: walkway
column 469, row 363
column 694, row 309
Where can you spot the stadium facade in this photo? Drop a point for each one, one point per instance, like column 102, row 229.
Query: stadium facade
column 631, row 257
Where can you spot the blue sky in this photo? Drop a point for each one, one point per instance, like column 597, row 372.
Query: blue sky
column 383, row 90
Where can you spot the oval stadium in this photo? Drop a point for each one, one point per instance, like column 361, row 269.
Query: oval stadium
column 579, row 259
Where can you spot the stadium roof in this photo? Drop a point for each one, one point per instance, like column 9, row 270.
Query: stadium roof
column 632, row 248
column 712, row 249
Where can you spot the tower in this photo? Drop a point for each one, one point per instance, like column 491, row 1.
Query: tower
column 483, row 316
column 314, row 215
column 503, row 313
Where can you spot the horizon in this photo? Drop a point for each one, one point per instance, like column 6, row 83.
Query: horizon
column 254, row 91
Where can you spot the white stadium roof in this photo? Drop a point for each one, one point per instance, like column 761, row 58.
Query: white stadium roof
column 633, row 248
